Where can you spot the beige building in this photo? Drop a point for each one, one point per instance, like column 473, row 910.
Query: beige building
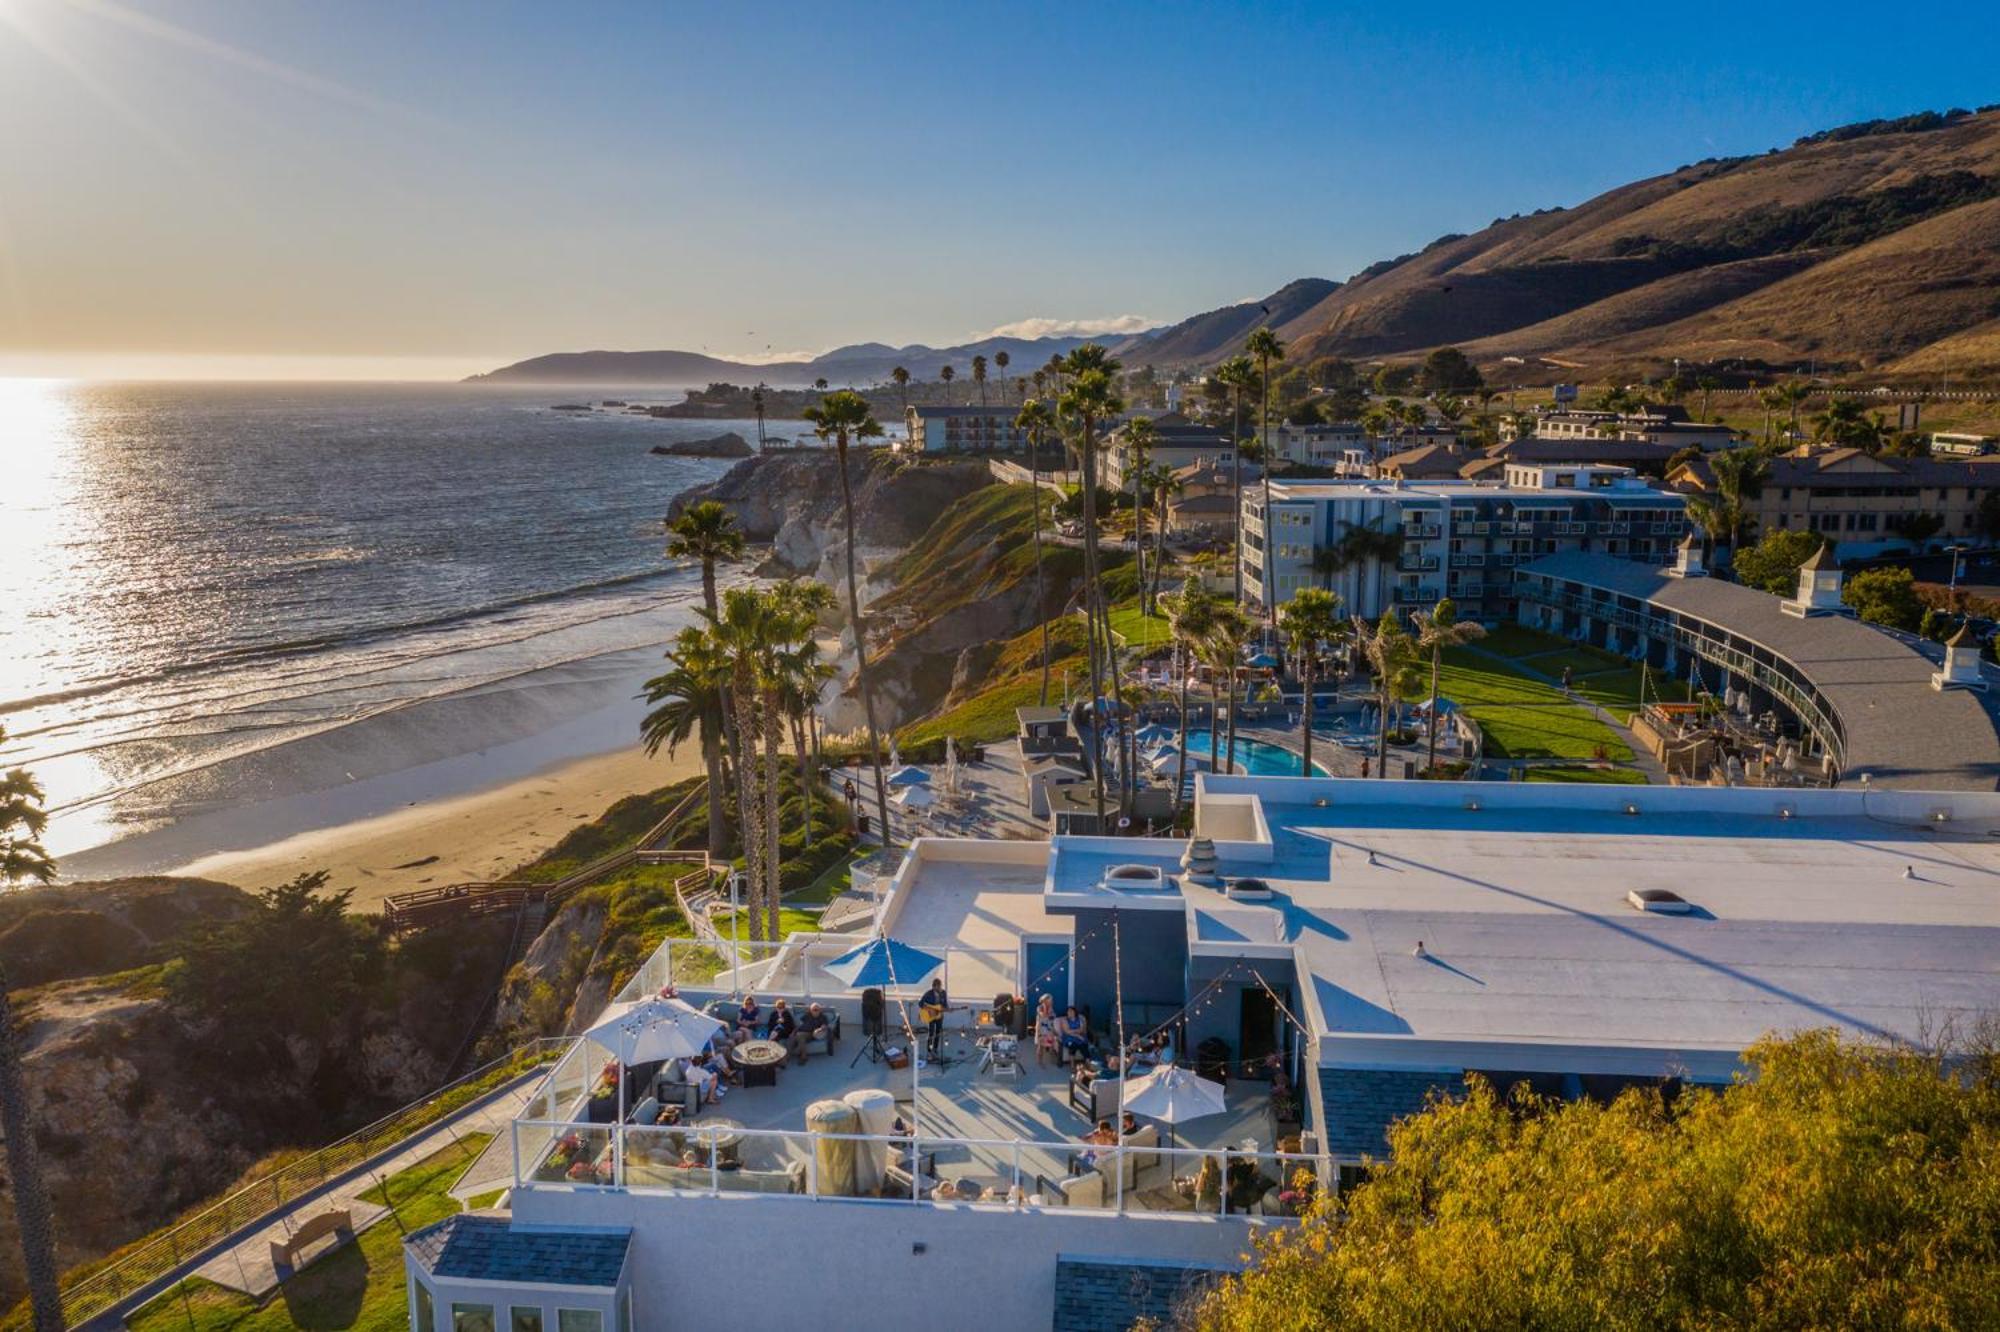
column 1863, row 501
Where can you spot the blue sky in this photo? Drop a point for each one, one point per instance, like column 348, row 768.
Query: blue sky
column 454, row 184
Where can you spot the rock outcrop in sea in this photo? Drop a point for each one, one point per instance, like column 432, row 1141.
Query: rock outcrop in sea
column 726, row 445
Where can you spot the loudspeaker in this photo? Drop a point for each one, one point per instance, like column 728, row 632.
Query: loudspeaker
column 871, row 1012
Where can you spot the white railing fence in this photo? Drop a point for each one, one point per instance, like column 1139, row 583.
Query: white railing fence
column 711, row 1159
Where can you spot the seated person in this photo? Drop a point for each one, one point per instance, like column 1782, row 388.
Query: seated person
column 704, row 1077
column 726, row 1073
column 747, row 1018
column 815, row 1025
column 1045, row 1029
column 784, row 1025
column 1101, row 1136
column 1073, row 1033
column 1131, row 1124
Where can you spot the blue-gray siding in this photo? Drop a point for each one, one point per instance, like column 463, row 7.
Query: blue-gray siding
column 1110, row 1294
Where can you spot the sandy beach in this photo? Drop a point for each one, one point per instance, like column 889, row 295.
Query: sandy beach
column 480, row 835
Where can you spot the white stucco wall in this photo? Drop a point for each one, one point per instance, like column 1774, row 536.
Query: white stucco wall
column 854, row 1264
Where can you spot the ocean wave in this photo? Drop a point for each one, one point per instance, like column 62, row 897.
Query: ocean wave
column 309, row 645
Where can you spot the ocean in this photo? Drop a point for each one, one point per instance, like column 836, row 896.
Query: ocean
column 303, row 604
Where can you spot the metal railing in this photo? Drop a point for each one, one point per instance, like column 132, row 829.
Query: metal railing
column 437, row 906
column 155, row 1256
column 712, row 1160
column 795, row 968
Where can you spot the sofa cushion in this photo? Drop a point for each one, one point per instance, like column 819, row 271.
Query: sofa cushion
column 646, row 1112
column 1085, row 1190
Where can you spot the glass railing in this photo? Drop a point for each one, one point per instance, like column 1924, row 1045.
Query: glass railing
column 796, row 969
column 1140, row 1177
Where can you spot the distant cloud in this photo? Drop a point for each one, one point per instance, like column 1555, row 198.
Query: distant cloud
column 1059, row 328
column 769, row 357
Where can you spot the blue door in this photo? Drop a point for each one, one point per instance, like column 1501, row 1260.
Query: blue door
column 1045, row 967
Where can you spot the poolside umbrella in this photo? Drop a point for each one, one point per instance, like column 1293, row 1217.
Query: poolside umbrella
column 1263, row 661
column 950, row 764
column 1154, row 732
column 914, row 797
column 909, row 776
column 1173, row 1095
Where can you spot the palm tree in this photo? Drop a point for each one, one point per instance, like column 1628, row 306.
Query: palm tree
column 1390, row 655
column 1266, row 347
column 1790, row 396
column 1092, row 398
column 844, row 416
column 979, row 377
column 22, row 857
column 1035, row 421
column 1000, row 362
column 1310, row 618
column 803, row 674
column 742, row 632
column 1140, row 436
column 706, row 532
column 1362, row 545
column 945, row 375
column 1190, row 616
column 1236, row 374
column 1228, row 634
column 1724, row 512
column 1160, row 484
column 902, row 378
column 1438, row 630
column 691, row 698
column 1708, row 384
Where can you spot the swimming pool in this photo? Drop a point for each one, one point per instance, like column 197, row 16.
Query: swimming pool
column 1255, row 757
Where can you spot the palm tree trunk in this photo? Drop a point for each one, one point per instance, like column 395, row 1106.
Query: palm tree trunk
column 1306, row 716
column 1091, row 599
column 1431, row 745
column 1236, row 487
column 1382, row 726
column 747, row 804
column 1233, row 691
column 1041, row 586
column 1264, row 409
column 1180, row 764
column 711, row 759
column 806, row 782
column 774, row 744
column 875, row 755
column 31, row 1198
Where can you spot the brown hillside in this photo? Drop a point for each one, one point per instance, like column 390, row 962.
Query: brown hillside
column 1869, row 306
column 1977, row 347
column 1737, row 235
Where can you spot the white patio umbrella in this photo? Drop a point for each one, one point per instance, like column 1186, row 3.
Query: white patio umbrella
column 950, row 765
column 914, row 797
column 651, row 1029
column 1173, row 1095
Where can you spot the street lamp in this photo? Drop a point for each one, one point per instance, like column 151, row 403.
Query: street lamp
column 735, row 933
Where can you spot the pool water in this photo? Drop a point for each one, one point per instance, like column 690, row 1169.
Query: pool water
column 1255, row 757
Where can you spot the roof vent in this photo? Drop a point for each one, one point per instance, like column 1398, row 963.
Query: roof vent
column 1249, row 890
column 1659, row 901
column 1135, row 876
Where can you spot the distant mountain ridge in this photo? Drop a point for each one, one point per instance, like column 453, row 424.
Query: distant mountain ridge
column 862, row 363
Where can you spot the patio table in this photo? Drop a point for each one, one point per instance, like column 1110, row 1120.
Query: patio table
column 758, row 1061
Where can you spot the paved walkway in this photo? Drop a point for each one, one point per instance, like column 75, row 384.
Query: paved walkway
column 246, row 1264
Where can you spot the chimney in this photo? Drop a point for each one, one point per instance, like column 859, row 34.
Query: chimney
column 1819, row 587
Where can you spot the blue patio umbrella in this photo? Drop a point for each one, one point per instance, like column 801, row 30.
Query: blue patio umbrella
column 1263, row 661
column 883, row 962
column 909, row 776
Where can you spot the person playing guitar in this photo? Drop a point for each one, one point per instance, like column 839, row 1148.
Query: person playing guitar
column 932, row 1009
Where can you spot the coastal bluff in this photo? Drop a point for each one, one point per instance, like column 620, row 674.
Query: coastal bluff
column 726, row 445
column 792, row 502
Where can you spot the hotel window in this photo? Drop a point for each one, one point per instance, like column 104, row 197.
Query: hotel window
column 423, row 1313
column 527, row 1318
column 579, row 1320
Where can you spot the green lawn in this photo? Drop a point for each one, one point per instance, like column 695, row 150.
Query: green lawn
column 1617, row 692
column 837, row 879
column 1138, row 631
column 983, row 718
column 359, row 1285
column 1602, row 776
column 1524, row 718
column 790, row 921
column 1581, row 661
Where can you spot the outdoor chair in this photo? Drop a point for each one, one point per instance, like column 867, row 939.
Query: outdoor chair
column 672, row 1087
column 824, row 1044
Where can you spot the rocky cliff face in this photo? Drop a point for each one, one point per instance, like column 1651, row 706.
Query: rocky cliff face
column 792, row 501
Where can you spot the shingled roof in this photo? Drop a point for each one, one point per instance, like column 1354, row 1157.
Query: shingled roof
column 491, row 1248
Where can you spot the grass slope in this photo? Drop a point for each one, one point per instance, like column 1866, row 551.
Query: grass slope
column 358, row 1286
